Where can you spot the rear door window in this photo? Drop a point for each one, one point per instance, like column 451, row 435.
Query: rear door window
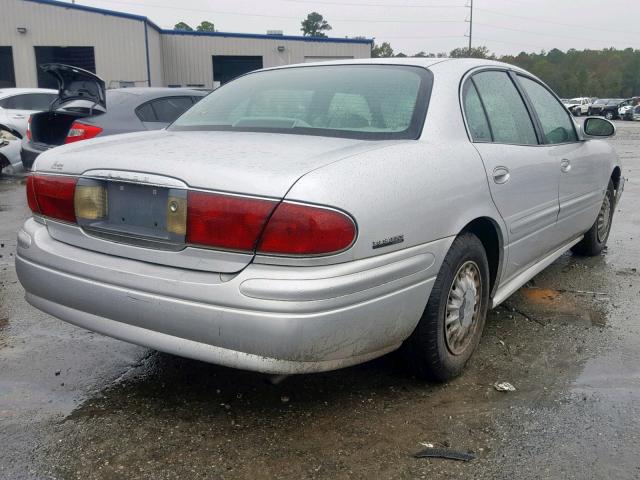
column 476, row 119
column 554, row 119
column 30, row 101
column 145, row 113
column 169, row 108
column 507, row 114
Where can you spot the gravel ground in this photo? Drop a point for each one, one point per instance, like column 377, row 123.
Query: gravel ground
column 76, row 405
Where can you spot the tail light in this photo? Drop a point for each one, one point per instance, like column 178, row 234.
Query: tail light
column 225, row 221
column 248, row 224
column 297, row 229
column 81, row 131
column 28, row 133
column 209, row 219
column 52, row 196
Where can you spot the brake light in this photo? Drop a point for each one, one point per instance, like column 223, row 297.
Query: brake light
column 81, row 131
column 28, row 133
column 52, row 196
column 225, row 221
column 296, row 229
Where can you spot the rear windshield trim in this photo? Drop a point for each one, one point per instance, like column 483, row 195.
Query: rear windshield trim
column 412, row 133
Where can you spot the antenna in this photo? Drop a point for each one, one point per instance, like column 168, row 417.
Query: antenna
column 470, row 7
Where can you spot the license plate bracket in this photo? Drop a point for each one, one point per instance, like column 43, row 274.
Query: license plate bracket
column 137, row 211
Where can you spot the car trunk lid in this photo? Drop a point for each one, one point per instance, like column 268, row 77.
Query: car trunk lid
column 77, row 88
column 255, row 165
column 81, row 94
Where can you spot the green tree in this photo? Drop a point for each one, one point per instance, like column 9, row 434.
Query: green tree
column 607, row 73
column 315, row 25
column 476, row 52
column 383, row 50
column 182, row 26
column 206, row 27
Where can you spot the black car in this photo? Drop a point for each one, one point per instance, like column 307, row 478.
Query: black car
column 84, row 109
column 606, row 107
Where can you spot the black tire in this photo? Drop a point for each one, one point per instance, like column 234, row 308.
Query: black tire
column 427, row 351
column 609, row 115
column 576, row 112
column 596, row 238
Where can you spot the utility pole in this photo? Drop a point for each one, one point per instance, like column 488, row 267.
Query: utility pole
column 470, row 6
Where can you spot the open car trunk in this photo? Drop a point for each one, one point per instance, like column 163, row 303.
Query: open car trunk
column 80, row 94
column 51, row 128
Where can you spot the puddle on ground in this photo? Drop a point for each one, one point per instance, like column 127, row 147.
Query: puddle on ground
column 546, row 305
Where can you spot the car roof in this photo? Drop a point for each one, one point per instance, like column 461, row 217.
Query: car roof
column 151, row 92
column 9, row 92
column 453, row 63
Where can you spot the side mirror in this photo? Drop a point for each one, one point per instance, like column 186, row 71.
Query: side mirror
column 597, row 127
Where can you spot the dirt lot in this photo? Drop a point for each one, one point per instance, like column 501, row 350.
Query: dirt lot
column 74, row 404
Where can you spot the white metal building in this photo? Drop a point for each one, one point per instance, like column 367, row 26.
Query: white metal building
column 127, row 50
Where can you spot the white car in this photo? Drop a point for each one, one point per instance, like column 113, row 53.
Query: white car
column 578, row 106
column 16, row 105
column 10, row 152
column 625, row 110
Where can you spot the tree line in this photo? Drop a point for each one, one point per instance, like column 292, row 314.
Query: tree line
column 574, row 73
column 607, row 73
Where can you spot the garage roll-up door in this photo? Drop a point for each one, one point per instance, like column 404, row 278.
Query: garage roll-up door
column 7, row 74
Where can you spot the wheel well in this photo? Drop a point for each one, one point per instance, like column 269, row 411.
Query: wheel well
column 489, row 234
column 615, row 177
column 10, row 130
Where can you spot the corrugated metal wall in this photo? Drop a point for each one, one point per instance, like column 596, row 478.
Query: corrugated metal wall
column 155, row 57
column 188, row 59
column 118, row 43
column 120, row 46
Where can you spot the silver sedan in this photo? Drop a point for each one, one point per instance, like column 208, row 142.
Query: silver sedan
column 311, row 217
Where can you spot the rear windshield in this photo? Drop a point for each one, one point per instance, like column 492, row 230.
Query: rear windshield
column 376, row 102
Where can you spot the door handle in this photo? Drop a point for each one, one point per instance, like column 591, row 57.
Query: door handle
column 19, row 116
column 501, row 175
column 565, row 165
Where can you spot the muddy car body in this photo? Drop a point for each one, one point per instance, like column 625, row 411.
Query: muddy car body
column 281, row 230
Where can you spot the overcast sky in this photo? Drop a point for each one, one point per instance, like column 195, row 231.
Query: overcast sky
column 505, row 26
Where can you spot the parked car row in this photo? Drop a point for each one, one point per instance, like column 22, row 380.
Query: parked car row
column 610, row 108
column 35, row 120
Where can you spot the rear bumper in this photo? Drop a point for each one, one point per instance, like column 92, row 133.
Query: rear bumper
column 266, row 318
column 28, row 154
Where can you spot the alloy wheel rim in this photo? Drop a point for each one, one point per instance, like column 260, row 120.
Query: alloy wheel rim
column 463, row 308
column 604, row 218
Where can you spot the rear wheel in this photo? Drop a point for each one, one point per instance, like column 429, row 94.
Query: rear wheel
column 596, row 238
column 609, row 115
column 452, row 323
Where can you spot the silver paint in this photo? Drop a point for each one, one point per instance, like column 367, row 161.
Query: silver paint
column 293, row 314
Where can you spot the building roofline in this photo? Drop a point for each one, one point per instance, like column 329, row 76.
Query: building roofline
column 268, row 37
column 103, row 11
column 142, row 18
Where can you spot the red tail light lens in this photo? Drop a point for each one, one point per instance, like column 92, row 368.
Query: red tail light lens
column 52, row 196
column 296, row 229
column 81, row 131
column 31, row 195
column 225, row 221
column 29, row 128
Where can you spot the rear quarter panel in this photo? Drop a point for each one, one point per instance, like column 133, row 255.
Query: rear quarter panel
column 418, row 190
